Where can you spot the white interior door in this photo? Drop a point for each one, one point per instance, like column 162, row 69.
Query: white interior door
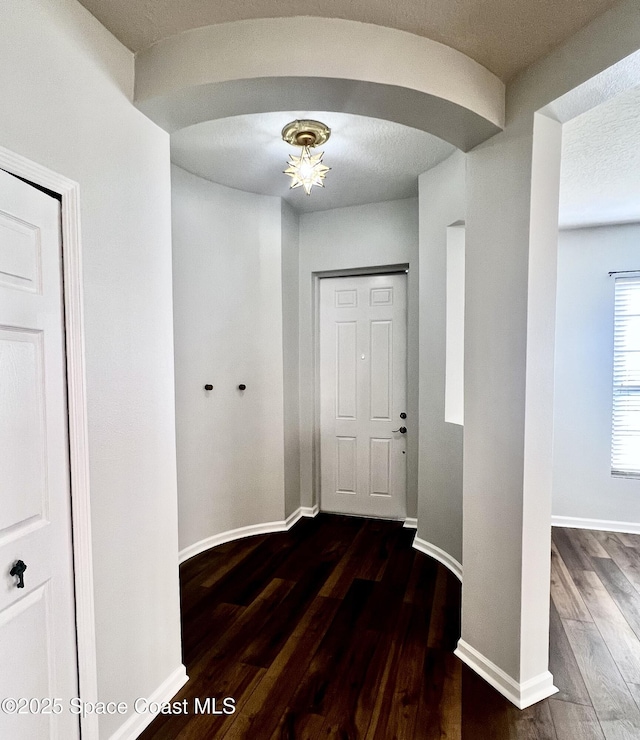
column 38, row 658
column 363, row 392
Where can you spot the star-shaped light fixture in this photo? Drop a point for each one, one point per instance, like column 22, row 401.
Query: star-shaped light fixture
column 307, row 169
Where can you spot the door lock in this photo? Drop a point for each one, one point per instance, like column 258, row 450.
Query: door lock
column 403, row 415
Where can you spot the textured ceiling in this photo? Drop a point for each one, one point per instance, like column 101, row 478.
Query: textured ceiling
column 505, row 36
column 370, row 160
column 600, row 176
column 373, row 160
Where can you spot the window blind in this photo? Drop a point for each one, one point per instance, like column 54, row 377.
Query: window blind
column 625, row 447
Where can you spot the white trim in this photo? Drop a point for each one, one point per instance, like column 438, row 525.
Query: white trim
column 230, row 535
column 315, row 432
column 137, row 722
column 77, row 412
column 294, row 517
column 440, row 555
column 523, row 694
column 604, row 525
column 410, row 523
column 248, row 531
column 306, row 511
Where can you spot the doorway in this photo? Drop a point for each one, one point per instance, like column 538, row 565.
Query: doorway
column 47, row 629
column 37, row 611
column 362, row 385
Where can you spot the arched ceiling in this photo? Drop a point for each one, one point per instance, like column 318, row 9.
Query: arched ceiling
column 505, row 36
column 282, row 64
column 373, row 160
column 370, row 160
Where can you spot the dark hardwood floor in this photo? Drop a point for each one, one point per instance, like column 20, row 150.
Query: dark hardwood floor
column 339, row 629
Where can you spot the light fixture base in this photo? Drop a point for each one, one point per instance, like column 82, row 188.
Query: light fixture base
column 306, row 133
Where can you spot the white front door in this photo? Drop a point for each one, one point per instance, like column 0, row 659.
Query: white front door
column 363, row 392
column 38, row 658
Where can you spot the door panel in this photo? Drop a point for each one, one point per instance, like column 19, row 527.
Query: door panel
column 346, row 370
column 20, row 254
column 380, row 371
column 362, row 393
column 37, row 622
column 22, row 429
column 346, row 464
column 380, row 456
column 27, row 616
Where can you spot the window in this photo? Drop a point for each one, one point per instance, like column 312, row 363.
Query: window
column 625, row 447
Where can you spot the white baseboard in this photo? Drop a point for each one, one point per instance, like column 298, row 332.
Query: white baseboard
column 230, row 535
column 249, row 531
column 411, row 522
column 294, row 517
column 523, row 694
column 136, row 723
column 440, row 555
column 302, row 511
column 605, row 525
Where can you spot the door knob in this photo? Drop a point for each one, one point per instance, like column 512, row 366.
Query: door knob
column 402, row 430
column 18, row 571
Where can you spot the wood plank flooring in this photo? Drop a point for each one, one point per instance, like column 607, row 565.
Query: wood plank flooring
column 339, row 629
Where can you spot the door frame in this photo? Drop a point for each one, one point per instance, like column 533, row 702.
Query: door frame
column 72, row 300
column 316, row 278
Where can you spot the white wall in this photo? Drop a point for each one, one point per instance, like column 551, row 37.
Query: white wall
column 376, row 234
column 582, row 483
column 442, row 203
column 66, row 83
column 512, row 183
column 291, row 352
column 502, row 618
column 228, row 330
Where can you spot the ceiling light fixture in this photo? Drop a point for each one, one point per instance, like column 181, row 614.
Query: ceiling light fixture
column 307, row 169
